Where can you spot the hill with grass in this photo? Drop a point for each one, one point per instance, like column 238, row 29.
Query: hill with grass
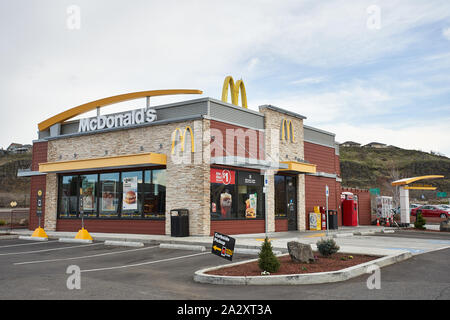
column 365, row 167
column 13, row 188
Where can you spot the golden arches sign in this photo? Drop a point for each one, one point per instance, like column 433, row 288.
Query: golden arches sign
column 182, row 138
column 287, row 130
column 235, row 89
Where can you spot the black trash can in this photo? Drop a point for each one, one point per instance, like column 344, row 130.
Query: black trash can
column 332, row 219
column 179, row 223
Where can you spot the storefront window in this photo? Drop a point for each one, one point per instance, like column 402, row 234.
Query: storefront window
column 132, row 194
column 250, row 195
column 236, row 195
column 155, row 194
column 109, row 195
column 69, row 196
column 280, row 197
column 88, row 195
column 127, row 194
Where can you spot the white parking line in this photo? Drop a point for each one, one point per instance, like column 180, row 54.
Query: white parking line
column 26, row 244
column 45, row 250
column 84, row 257
column 145, row 263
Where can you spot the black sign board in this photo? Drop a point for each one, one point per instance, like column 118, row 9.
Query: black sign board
column 223, row 246
column 249, row 179
column 39, row 203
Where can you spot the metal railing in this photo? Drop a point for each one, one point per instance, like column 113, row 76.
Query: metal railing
column 14, row 219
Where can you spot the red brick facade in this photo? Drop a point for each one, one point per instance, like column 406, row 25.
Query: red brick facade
column 328, row 162
column 37, row 183
column 251, row 148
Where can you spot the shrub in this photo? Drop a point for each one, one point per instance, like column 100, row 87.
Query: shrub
column 420, row 222
column 267, row 260
column 2, row 223
column 327, row 247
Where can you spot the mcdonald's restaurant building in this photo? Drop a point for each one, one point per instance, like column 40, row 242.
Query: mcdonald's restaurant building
column 236, row 170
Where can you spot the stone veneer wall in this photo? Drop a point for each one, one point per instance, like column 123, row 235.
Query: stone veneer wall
column 284, row 150
column 187, row 183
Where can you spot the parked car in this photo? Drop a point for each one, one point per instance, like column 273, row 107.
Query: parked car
column 444, row 206
column 431, row 211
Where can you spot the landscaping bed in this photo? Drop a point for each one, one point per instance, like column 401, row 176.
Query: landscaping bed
column 335, row 262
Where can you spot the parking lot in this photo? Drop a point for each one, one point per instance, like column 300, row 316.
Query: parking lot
column 38, row 270
column 33, row 270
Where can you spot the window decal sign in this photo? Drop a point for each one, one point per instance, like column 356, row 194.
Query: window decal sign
column 223, row 176
column 130, row 193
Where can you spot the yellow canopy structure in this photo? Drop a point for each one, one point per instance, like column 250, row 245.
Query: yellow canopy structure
column 406, row 181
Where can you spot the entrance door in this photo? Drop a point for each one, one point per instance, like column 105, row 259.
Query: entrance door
column 291, row 192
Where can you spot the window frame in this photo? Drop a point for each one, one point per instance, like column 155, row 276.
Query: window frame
column 97, row 194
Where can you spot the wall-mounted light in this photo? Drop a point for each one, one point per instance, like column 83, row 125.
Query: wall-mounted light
column 160, row 146
column 142, row 148
column 75, row 155
column 106, row 152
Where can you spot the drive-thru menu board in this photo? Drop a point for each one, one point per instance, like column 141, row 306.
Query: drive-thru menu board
column 223, row 246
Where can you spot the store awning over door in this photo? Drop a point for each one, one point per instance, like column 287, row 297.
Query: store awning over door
column 116, row 162
column 299, row 167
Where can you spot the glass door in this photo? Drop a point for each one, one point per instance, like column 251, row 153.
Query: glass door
column 291, row 192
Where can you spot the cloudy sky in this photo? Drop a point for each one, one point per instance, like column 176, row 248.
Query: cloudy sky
column 365, row 70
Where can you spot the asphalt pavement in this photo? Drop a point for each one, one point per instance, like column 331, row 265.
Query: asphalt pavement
column 38, row 270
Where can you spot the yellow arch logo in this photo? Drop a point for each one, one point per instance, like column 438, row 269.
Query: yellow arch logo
column 182, row 138
column 287, row 130
column 235, row 88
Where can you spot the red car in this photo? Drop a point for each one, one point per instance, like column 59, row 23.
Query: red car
column 431, row 211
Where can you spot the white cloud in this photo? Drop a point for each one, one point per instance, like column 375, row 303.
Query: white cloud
column 446, row 33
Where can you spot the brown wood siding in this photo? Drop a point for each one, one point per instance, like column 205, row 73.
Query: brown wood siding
column 237, row 226
column 281, row 225
column 252, row 148
column 113, row 226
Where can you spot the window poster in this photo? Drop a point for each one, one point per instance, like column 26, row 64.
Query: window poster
column 108, row 195
column 225, row 204
column 130, row 185
column 250, row 206
column 88, row 190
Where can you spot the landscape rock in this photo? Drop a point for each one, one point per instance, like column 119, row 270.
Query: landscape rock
column 445, row 225
column 300, row 252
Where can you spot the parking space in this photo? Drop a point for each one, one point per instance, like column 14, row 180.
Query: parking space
column 33, row 270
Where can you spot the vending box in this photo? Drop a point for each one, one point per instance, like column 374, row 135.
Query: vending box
column 350, row 212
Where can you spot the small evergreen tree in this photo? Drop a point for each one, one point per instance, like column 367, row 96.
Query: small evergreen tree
column 420, row 222
column 327, row 247
column 267, row 260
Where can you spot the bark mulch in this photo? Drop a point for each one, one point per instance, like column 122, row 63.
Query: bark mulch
column 322, row 264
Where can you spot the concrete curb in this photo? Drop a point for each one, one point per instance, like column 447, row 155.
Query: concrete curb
column 342, row 235
column 124, row 243
column 252, row 251
column 364, row 233
column 182, row 247
column 72, row 240
column 33, row 238
column 8, row 237
column 298, row 279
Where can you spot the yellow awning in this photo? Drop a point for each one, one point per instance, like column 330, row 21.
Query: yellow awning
column 299, row 167
column 420, row 188
column 118, row 162
column 406, row 181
